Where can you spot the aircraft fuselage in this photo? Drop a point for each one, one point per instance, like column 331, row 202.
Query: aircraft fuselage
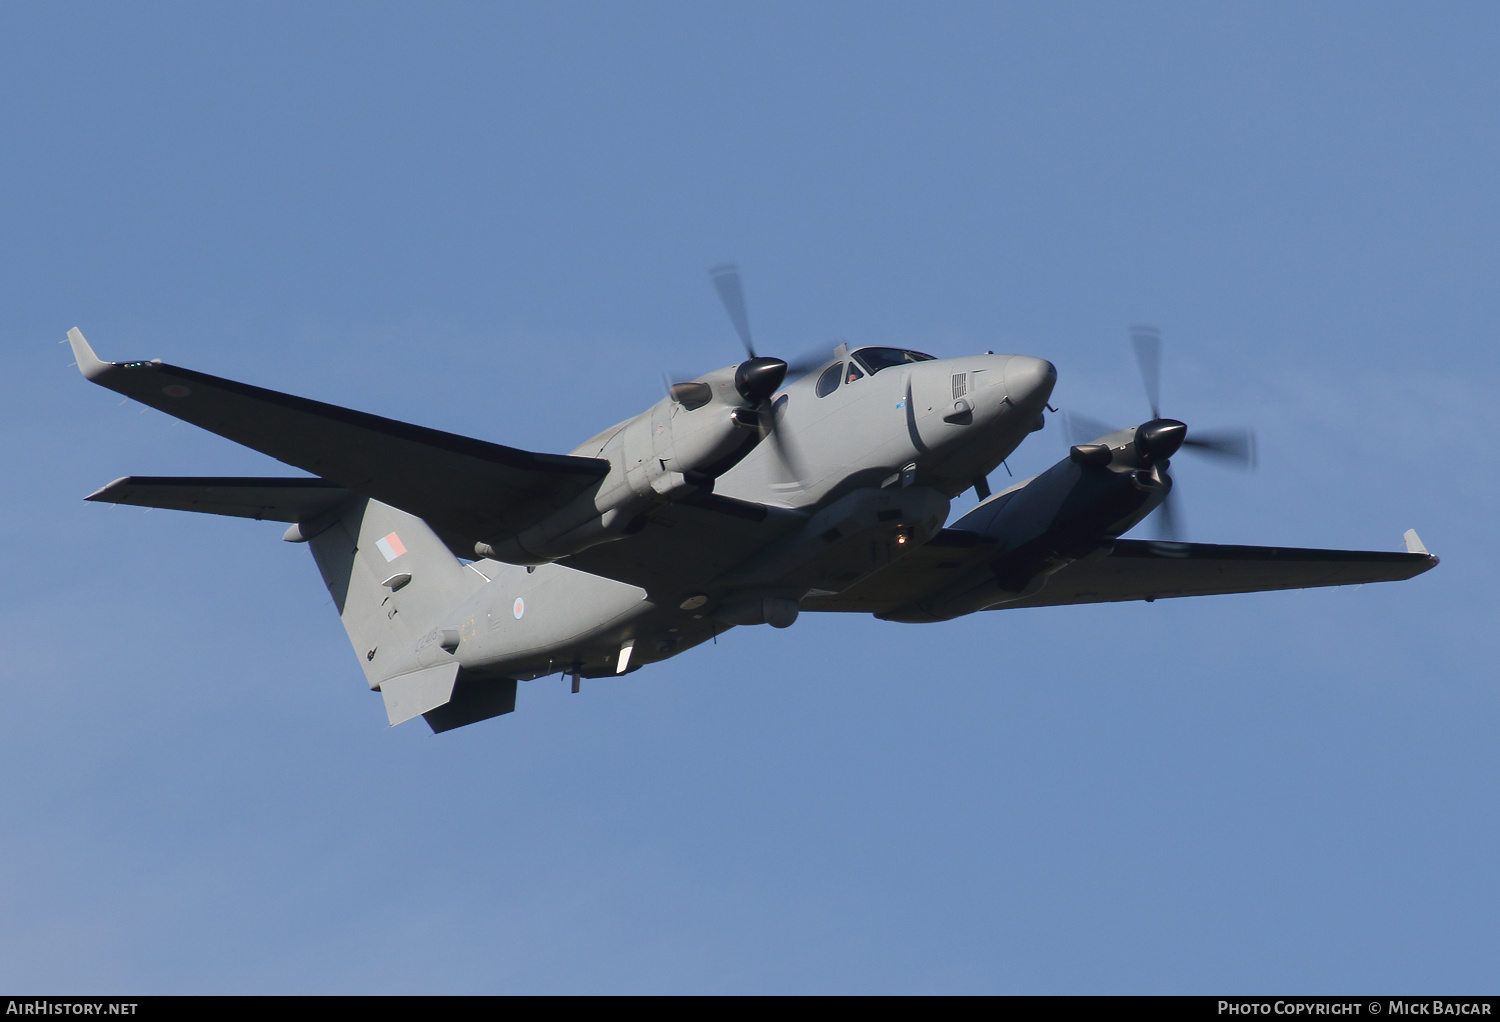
column 876, row 458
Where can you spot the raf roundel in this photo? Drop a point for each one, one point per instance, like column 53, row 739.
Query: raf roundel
column 518, row 608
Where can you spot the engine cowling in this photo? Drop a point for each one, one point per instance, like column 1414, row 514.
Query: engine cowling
column 1073, row 510
column 675, row 449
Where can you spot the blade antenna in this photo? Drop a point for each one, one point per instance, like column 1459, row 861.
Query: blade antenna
column 726, row 278
column 1147, row 342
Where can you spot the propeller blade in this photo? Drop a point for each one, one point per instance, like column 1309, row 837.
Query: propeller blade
column 1080, row 429
column 726, row 278
column 1147, row 342
column 1233, row 447
column 787, row 452
column 1169, row 517
column 770, row 421
column 807, row 363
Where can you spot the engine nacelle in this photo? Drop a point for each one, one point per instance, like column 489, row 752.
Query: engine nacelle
column 1073, row 510
column 675, row 449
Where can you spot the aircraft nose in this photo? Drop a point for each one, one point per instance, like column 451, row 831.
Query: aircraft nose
column 1029, row 380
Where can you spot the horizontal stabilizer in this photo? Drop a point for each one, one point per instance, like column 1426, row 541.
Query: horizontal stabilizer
column 471, row 487
column 416, row 693
column 447, row 697
column 265, row 499
column 474, row 699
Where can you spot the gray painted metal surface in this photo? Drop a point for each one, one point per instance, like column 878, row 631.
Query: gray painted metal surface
column 728, row 502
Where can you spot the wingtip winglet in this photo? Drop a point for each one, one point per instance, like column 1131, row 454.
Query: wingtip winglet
column 1414, row 543
column 89, row 364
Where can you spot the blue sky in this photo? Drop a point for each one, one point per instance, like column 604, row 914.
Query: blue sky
column 496, row 220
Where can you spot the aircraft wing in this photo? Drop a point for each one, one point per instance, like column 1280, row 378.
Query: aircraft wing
column 1151, row 570
column 687, row 544
column 471, row 487
column 1134, row 570
column 273, row 499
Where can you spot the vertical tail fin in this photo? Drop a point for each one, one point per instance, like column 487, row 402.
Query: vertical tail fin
column 392, row 580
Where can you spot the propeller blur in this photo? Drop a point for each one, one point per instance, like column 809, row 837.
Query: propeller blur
column 1159, row 439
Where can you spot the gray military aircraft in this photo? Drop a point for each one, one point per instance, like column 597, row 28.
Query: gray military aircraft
column 460, row 566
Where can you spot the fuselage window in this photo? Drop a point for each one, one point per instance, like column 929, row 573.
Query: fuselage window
column 829, row 381
column 876, row 359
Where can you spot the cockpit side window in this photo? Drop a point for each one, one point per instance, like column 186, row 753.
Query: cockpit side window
column 828, row 382
column 876, row 359
column 854, row 373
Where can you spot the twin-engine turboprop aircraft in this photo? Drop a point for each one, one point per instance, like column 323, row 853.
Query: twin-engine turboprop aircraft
column 460, row 566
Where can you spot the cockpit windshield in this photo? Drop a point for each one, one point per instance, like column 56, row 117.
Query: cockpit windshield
column 876, row 359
